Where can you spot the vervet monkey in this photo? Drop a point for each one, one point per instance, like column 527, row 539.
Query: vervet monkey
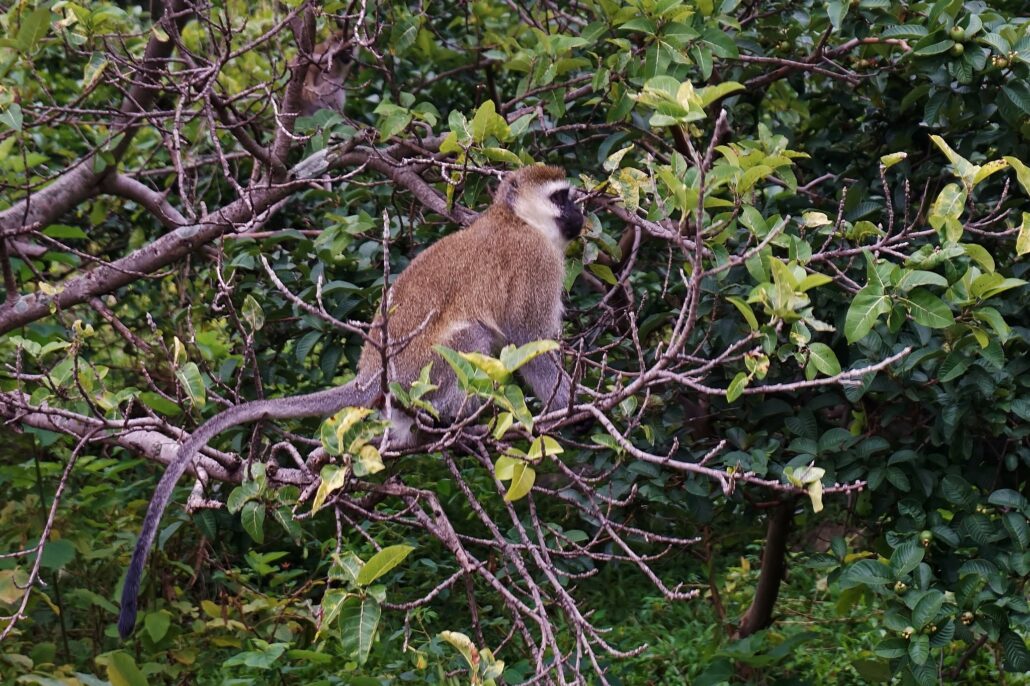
column 331, row 62
column 497, row 282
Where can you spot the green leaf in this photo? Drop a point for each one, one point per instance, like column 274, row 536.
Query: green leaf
column 191, row 382
column 252, row 313
column 487, row 122
column 122, row 670
column 603, row 272
column 929, row 310
column 824, row 359
column 964, row 169
column 34, row 26
column 543, row 446
column 1022, row 172
column 905, row 558
column 745, row 311
column 1013, row 500
column 863, row 313
column 1014, row 650
column 490, row 366
column 522, row 479
column 382, row 562
column 57, row 554
column 911, row 278
column 710, row 94
column 513, row 358
column 157, row 624
column 736, row 386
column 359, row 619
column 890, row 160
column 12, row 117
column 919, row 649
column 836, row 10
column 332, row 479
column 1023, row 239
column 719, row 43
column 927, row 608
column 253, row 518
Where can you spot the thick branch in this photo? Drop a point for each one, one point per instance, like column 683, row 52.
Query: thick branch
column 80, row 182
column 759, row 615
column 254, row 207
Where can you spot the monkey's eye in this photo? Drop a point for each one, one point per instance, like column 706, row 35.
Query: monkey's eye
column 560, row 198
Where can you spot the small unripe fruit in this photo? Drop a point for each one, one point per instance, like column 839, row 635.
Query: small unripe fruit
column 957, row 34
column 925, row 538
column 957, row 50
column 900, row 587
column 967, row 618
column 907, row 632
column 931, row 628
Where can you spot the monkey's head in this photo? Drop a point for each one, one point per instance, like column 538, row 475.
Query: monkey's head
column 541, row 196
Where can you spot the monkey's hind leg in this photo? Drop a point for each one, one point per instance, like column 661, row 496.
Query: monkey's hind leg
column 450, row 399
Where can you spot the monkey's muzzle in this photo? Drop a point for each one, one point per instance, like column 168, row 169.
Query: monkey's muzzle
column 570, row 222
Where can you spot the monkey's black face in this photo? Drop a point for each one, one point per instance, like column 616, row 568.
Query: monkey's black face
column 570, row 219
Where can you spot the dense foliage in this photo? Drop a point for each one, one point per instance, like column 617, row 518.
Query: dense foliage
column 800, row 450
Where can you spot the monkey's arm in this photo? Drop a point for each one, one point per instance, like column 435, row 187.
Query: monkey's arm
column 550, row 384
column 322, row 403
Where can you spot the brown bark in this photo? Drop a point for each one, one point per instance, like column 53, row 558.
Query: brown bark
column 759, row 615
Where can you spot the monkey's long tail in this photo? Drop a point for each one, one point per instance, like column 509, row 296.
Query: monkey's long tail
column 322, row 403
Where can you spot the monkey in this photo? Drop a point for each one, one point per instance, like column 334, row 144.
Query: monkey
column 497, row 282
column 331, row 63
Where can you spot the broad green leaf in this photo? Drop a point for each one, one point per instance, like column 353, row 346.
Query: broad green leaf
column 946, row 210
column 487, row 122
column 927, row 608
column 122, row 670
column 710, row 94
column 890, row 160
column 542, row 446
column 367, row 461
column 157, row 624
column 906, row 557
column 464, row 645
column 504, row 422
column 836, row 10
column 193, row 383
column 979, row 254
column 1022, row 172
column 253, row 519
column 492, row 367
column 513, row 358
column 252, row 313
column 919, row 649
column 745, row 311
column 964, row 169
column 522, row 479
column 603, row 272
column 359, row 618
column 12, row 117
column 34, row 25
column 824, row 359
column 504, row 467
column 990, row 168
column 382, row 562
column 94, row 69
column 912, row 278
column 1023, row 239
column 332, row 603
column 865, row 309
column 333, row 478
column 929, row 310
column 736, row 386
column 812, row 220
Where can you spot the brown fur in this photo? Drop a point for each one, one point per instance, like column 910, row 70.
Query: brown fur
column 499, row 272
